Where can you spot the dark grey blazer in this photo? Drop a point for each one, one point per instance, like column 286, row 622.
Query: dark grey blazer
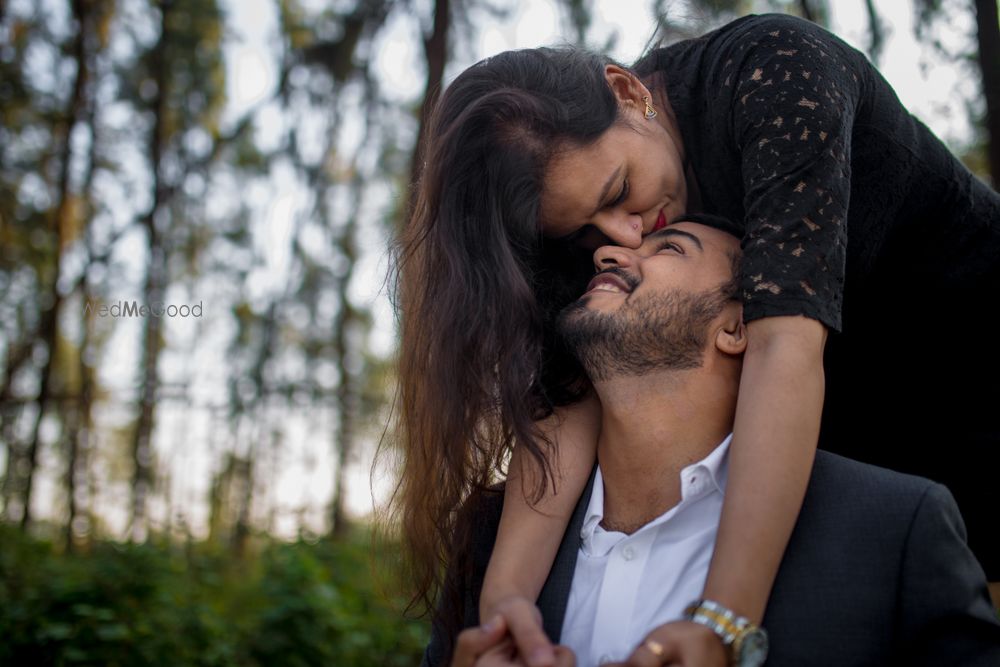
column 877, row 573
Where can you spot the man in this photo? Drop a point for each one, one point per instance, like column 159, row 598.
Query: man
column 877, row 571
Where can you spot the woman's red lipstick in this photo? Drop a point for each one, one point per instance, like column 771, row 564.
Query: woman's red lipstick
column 661, row 222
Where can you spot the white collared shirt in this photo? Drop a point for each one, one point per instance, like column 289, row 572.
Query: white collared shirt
column 626, row 585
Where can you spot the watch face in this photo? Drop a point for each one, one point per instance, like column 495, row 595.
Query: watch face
column 752, row 649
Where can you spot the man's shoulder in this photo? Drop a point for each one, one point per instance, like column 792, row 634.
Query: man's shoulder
column 848, row 478
column 865, row 511
column 850, row 474
column 879, row 557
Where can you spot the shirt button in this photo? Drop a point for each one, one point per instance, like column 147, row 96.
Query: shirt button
column 628, row 553
column 604, row 659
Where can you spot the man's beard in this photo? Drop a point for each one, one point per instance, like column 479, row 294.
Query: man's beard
column 651, row 332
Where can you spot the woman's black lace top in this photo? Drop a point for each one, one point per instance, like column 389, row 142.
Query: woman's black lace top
column 795, row 134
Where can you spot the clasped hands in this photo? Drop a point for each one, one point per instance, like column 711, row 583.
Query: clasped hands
column 513, row 637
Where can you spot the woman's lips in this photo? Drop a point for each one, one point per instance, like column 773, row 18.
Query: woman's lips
column 661, row 222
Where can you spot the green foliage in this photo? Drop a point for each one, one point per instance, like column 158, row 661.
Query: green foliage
column 119, row 605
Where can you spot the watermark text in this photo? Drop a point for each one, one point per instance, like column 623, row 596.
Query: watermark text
column 135, row 309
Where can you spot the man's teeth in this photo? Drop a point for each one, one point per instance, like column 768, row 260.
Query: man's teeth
column 607, row 287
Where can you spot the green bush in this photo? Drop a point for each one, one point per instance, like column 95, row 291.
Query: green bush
column 175, row 605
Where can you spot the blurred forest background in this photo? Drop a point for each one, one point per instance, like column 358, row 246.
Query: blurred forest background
column 177, row 488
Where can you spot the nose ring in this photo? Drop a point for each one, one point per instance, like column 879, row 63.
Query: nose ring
column 635, row 226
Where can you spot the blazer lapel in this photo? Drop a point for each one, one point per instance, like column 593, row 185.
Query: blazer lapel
column 555, row 593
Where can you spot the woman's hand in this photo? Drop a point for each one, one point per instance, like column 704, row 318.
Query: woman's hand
column 679, row 643
column 472, row 643
column 494, row 644
column 505, row 655
column 524, row 627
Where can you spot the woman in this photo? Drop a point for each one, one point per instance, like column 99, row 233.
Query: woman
column 857, row 221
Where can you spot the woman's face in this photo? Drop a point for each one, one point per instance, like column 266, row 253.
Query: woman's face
column 626, row 185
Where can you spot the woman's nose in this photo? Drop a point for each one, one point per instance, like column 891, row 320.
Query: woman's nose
column 621, row 228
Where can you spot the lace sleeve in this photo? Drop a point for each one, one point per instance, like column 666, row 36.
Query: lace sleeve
column 795, row 91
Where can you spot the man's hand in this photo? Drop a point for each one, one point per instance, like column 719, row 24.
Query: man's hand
column 678, row 643
column 523, row 622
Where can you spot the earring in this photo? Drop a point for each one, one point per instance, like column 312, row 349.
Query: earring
column 650, row 111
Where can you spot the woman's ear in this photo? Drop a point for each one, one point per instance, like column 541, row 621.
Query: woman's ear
column 731, row 336
column 626, row 87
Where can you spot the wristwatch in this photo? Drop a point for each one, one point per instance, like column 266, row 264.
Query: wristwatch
column 745, row 642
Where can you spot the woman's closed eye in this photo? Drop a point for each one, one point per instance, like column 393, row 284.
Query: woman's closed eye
column 622, row 194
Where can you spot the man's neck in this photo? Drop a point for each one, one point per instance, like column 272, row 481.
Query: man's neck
column 654, row 426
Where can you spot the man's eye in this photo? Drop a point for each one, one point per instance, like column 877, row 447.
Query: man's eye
column 670, row 245
column 623, row 195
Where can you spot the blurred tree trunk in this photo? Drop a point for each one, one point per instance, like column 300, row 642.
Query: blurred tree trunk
column 79, row 422
column 64, row 223
column 154, row 286
column 8, row 415
column 257, row 413
column 20, row 352
column 807, row 11
column 876, row 34
column 76, row 440
column 216, row 506
column 244, row 481
column 346, row 355
column 80, row 438
column 436, row 56
column 219, row 523
column 988, row 36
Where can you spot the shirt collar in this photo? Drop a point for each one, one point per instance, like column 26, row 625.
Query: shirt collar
column 714, row 467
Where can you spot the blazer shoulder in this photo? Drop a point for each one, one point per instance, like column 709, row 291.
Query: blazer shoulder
column 849, row 497
column 835, row 474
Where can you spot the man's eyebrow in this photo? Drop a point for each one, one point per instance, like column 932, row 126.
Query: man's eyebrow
column 667, row 231
column 607, row 188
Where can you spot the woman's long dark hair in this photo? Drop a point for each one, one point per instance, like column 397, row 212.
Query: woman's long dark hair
column 478, row 286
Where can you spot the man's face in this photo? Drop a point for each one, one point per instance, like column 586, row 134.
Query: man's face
column 652, row 308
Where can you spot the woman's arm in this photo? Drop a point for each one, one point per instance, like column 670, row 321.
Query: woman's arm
column 529, row 535
column 774, row 442
column 794, row 102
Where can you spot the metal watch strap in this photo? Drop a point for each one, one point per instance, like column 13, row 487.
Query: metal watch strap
column 720, row 620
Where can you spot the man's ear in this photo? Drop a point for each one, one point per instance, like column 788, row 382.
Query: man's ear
column 626, row 87
column 731, row 336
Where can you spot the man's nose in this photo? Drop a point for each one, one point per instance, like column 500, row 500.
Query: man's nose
column 624, row 229
column 611, row 256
